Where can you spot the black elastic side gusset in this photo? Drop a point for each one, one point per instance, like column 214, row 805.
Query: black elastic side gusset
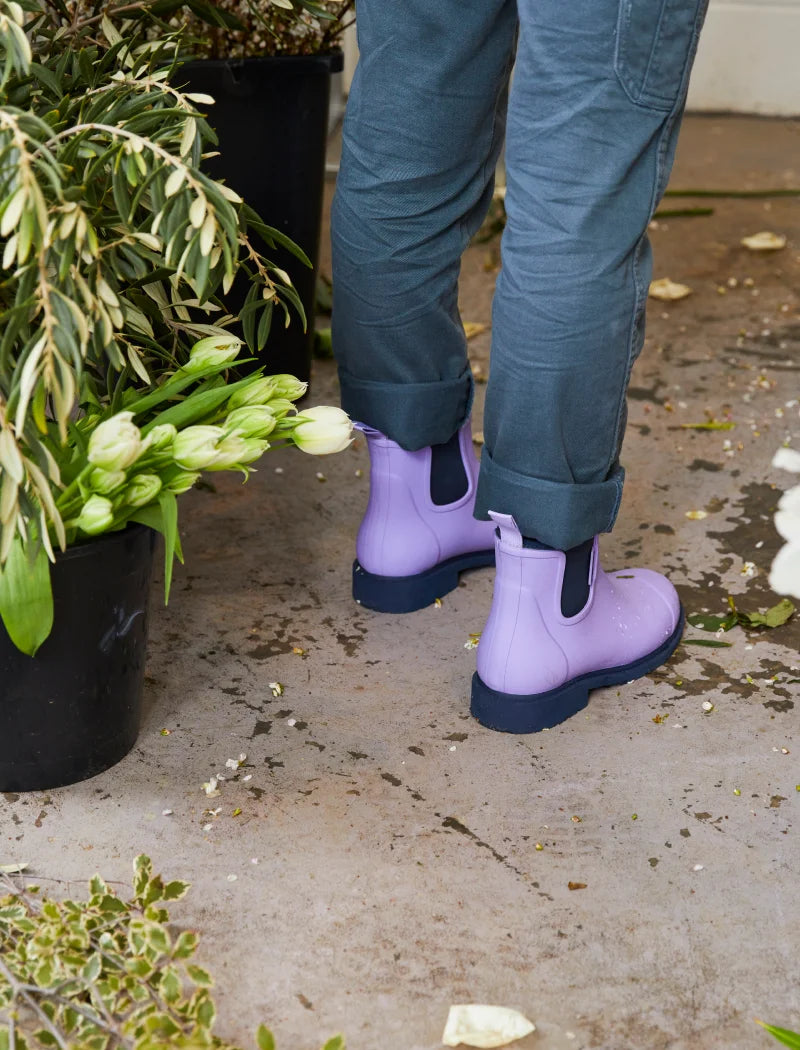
column 575, row 588
column 449, row 480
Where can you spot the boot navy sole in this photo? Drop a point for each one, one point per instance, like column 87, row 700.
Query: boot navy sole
column 518, row 713
column 403, row 594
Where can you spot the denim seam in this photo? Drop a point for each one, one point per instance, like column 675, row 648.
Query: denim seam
column 640, row 293
column 643, row 99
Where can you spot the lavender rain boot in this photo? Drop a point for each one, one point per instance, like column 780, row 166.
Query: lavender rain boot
column 536, row 666
column 411, row 545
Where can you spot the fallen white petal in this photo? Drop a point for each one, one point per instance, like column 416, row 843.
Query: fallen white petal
column 765, row 241
column 784, row 576
column 12, row 869
column 484, row 1026
column 668, row 290
column 787, row 459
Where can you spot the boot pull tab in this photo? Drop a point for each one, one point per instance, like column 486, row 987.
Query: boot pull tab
column 367, row 430
column 509, row 533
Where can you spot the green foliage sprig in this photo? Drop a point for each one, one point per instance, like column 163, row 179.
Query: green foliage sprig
column 104, row 973
column 115, row 244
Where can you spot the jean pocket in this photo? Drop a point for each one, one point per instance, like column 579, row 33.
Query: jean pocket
column 656, row 43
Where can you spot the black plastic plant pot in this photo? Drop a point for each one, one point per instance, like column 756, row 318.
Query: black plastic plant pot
column 74, row 709
column 271, row 117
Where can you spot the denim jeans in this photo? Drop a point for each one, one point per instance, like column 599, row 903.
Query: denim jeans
column 590, row 127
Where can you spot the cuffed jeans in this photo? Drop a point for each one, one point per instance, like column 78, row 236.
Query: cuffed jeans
column 592, row 120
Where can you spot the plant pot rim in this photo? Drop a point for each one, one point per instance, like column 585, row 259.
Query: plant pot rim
column 333, row 61
column 88, row 545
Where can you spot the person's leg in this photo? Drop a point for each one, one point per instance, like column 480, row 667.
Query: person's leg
column 422, row 133
column 593, row 119
column 423, row 130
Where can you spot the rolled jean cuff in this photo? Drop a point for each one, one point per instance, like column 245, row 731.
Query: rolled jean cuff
column 558, row 514
column 414, row 415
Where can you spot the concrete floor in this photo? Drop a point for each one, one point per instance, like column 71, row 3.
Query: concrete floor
column 395, row 839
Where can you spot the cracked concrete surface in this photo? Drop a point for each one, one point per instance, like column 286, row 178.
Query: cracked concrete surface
column 407, row 858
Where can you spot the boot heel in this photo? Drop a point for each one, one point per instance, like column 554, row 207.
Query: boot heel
column 515, row 713
column 404, row 594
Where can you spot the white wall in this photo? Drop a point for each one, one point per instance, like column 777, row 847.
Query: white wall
column 749, row 58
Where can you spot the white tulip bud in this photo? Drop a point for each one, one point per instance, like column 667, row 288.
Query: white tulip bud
column 195, row 448
column 142, row 490
column 288, row 386
column 235, row 451
column 283, row 388
column 216, row 350
column 251, row 421
column 323, row 430
column 115, row 443
column 106, row 481
column 183, row 482
column 96, row 515
column 160, row 437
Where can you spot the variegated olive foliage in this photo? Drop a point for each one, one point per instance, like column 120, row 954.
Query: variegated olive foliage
column 115, row 244
column 105, row 973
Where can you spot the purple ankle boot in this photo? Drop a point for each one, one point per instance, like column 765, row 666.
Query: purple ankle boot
column 413, row 541
column 536, row 666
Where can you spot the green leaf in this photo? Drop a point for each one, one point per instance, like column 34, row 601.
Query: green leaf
column 713, row 424
column 265, row 1038
column 264, row 326
column 336, row 1043
column 142, row 873
column 199, row 975
column 186, row 945
column 709, row 643
column 206, row 1013
column 774, row 617
column 98, row 887
column 169, row 513
column 26, row 597
column 175, row 891
column 783, row 1035
column 91, row 971
column 712, row 623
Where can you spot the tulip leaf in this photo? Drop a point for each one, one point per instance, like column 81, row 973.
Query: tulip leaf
column 197, row 407
column 26, row 597
column 783, row 1035
column 169, row 513
column 164, row 519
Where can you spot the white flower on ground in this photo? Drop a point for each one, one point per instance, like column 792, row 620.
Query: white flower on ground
column 323, row 430
column 142, row 490
column 784, row 576
column 787, row 459
column 215, row 350
column 115, row 443
column 96, row 515
column 474, row 1024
